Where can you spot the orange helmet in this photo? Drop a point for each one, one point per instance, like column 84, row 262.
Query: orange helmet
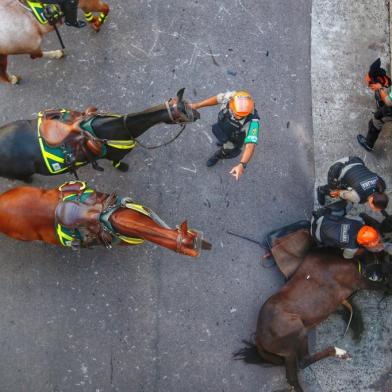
column 368, row 237
column 241, row 104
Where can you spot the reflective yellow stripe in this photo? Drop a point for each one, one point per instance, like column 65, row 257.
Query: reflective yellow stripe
column 89, row 16
column 83, row 185
column 102, row 17
column 116, row 165
column 138, row 208
column 63, row 236
column 125, row 144
column 129, row 240
column 34, row 6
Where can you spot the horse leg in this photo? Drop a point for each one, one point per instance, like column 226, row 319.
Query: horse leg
column 4, row 76
column 49, row 54
column 121, row 166
column 96, row 21
column 292, row 372
column 330, row 351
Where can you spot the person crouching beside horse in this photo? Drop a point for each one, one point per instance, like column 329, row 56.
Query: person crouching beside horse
column 331, row 228
column 349, row 179
column 238, row 124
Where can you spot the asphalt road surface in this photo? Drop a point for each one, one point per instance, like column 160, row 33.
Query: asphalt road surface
column 144, row 318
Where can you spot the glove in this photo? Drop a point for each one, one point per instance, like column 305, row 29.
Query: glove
column 375, row 86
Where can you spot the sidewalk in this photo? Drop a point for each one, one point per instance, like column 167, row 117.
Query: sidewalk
column 347, row 37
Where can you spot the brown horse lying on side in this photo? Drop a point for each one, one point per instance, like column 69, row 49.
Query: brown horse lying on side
column 21, row 33
column 321, row 283
column 75, row 214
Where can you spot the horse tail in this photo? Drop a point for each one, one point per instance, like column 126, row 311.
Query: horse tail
column 250, row 355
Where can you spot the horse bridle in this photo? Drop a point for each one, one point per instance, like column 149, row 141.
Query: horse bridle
column 175, row 114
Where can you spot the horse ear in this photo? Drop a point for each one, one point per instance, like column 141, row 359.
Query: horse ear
column 180, row 94
column 184, row 228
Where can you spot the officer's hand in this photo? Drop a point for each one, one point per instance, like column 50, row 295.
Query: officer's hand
column 334, row 194
column 237, row 171
column 375, row 86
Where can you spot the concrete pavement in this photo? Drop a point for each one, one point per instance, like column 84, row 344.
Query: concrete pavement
column 143, row 318
column 346, row 38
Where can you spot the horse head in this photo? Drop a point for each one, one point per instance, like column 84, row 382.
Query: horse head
column 190, row 242
column 180, row 110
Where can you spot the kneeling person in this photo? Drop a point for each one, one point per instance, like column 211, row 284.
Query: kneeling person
column 350, row 180
column 348, row 234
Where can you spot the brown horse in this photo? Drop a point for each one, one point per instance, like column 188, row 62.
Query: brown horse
column 21, row 33
column 322, row 282
column 34, row 214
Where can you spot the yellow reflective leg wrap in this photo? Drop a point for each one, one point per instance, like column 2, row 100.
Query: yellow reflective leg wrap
column 89, row 16
column 102, row 17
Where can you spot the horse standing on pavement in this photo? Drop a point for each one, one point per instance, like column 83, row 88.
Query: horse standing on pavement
column 75, row 215
column 59, row 141
column 22, row 33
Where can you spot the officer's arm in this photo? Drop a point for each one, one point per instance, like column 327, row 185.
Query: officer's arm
column 350, row 253
column 212, row 101
column 385, row 96
column 248, row 152
column 349, row 195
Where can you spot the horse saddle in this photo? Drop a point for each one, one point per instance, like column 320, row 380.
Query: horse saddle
column 74, row 214
column 289, row 245
column 56, row 132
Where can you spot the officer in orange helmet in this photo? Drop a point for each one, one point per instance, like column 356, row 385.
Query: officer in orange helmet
column 238, row 124
column 332, row 229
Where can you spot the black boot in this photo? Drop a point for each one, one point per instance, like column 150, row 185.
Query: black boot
column 322, row 191
column 215, row 158
column 368, row 142
column 70, row 8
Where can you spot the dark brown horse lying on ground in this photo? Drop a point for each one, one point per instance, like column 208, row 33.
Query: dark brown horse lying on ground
column 76, row 213
column 322, row 282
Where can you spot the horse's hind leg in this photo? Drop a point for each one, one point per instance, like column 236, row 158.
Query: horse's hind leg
column 96, row 6
column 4, row 76
column 292, row 372
column 330, row 351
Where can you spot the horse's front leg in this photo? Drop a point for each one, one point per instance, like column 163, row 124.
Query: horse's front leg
column 96, row 21
column 122, row 166
column 49, row 54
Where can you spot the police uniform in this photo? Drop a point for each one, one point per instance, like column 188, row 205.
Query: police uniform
column 337, row 232
column 233, row 133
column 356, row 180
column 380, row 117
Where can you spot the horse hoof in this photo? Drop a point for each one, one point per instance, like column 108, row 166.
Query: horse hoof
column 14, row 79
column 123, row 167
column 96, row 26
column 342, row 354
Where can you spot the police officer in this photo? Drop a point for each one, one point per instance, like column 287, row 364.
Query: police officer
column 350, row 180
column 238, row 124
column 380, row 83
column 349, row 234
column 70, row 11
